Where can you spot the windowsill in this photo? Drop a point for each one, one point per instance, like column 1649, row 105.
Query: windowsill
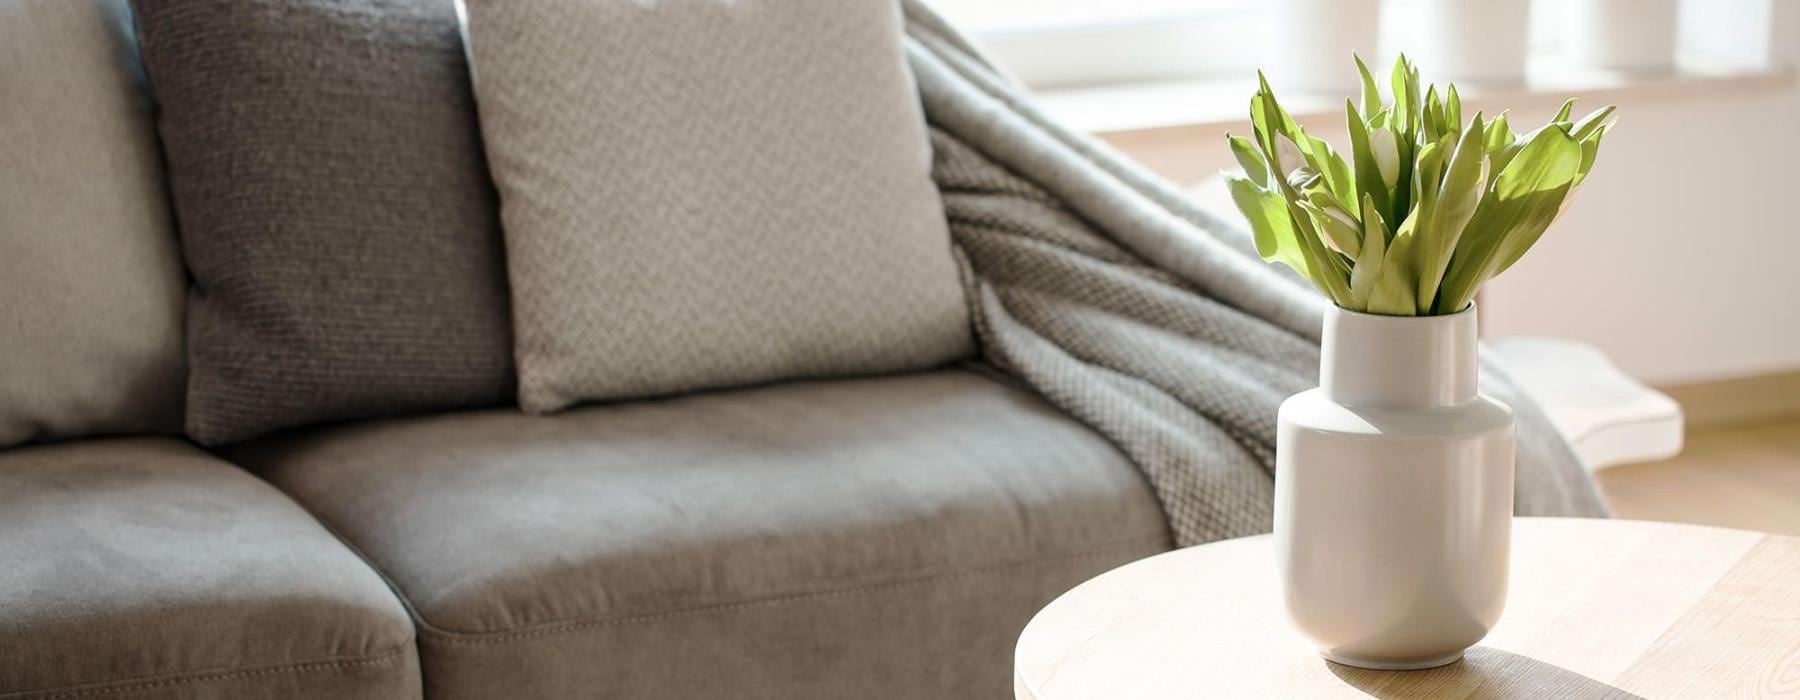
column 1217, row 104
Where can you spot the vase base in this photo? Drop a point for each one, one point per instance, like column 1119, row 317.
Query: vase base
column 1394, row 665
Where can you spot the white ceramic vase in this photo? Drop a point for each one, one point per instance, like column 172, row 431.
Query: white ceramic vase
column 1394, row 494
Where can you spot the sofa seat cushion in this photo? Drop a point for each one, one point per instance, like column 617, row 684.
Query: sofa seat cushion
column 800, row 540
column 142, row 567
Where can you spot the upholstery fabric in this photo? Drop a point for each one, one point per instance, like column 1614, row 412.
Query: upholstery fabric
column 884, row 536
column 1106, row 290
column 335, row 211
column 91, row 285
column 701, row 194
column 143, row 567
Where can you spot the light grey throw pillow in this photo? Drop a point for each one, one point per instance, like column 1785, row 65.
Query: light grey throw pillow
column 91, row 284
column 700, row 194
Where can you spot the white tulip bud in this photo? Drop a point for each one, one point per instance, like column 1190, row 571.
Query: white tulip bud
column 1387, row 155
column 1303, row 178
column 1287, row 155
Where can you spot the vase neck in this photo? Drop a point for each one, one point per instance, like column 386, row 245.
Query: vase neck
column 1399, row 361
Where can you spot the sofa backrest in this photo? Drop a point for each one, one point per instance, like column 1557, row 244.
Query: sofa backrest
column 341, row 256
column 91, row 281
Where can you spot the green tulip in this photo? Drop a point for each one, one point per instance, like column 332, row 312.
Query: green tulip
column 1469, row 199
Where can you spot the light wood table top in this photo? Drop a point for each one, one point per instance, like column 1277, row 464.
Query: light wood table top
column 1596, row 608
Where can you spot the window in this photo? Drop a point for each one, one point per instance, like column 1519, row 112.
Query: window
column 1069, row 43
column 1062, row 44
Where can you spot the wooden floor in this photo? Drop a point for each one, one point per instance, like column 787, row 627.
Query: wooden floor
column 1742, row 476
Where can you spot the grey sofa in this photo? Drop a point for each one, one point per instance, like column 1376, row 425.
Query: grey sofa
column 882, row 536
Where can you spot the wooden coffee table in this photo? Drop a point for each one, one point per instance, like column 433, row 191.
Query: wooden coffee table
column 1596, row 608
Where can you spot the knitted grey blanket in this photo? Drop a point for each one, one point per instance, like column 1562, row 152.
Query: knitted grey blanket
column 1114, row 296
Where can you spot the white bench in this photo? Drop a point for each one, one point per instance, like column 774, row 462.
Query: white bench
column 1609, row 417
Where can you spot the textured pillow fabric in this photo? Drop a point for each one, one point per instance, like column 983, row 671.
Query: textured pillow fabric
column 335, row 212
column 91, row 287
column 701, row 194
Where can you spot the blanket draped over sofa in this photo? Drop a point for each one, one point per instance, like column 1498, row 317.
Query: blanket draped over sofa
column 1118, row 299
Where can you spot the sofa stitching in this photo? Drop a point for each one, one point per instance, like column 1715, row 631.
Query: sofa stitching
column 429, row 632
column 339, row 663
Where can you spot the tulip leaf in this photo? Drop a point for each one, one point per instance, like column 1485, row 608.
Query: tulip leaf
column 1590, row 150
column 1397, row 82
column 1525, row 199
column 1591, row 123
column 1499, row 134
column 1406, row 153
column 1320, row 196
column 1371, row 96
column 1506, row 154
column 1326, row 269
column 1393, row 289
column 1332, row 166
column 1270, row 228
column 1406, row 98
column 1370, row 260
column 1427, row 175
column 1451, row 208
column 1368, row 172
column 1260, row 129
column 1453, row 111
column 1254, row 166
column 1433, row 117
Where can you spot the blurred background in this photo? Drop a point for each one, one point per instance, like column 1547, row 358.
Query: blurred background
column 1662, row 306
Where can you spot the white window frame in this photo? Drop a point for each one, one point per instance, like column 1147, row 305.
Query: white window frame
column 1218, row 37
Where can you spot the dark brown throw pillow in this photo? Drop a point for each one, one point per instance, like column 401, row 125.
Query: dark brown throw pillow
column 334, row 209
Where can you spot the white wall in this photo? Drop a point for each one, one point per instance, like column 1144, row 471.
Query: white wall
column 1682, row 257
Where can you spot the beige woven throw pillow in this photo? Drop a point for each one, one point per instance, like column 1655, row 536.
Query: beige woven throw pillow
column 700, row 193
